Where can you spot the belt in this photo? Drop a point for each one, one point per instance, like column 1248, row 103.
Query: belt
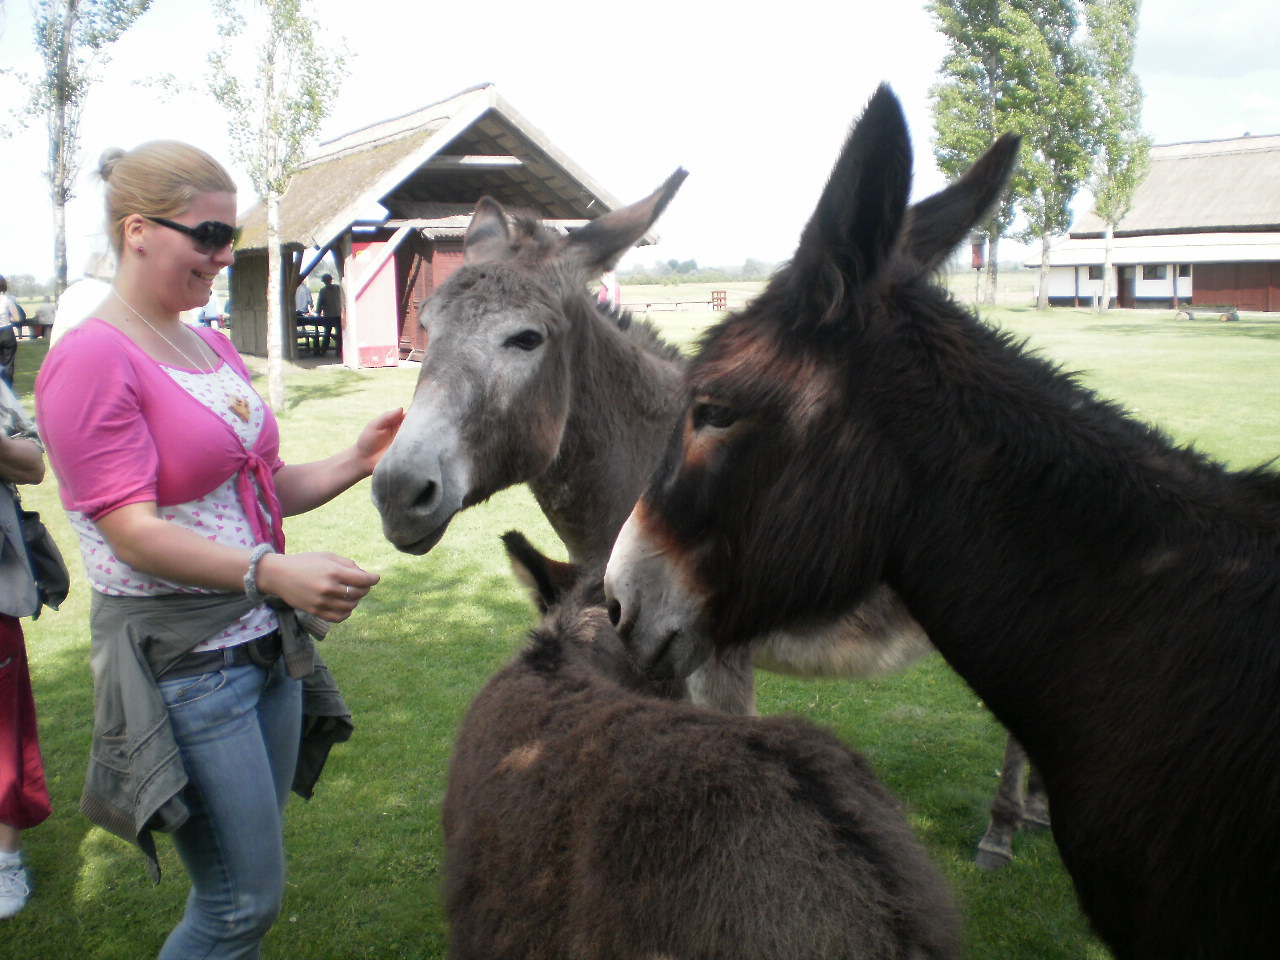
column 262, row 651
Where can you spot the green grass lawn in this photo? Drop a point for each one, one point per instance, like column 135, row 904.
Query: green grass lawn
column 365, row 853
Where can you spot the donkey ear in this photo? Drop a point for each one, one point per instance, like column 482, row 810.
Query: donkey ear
column 859, row 216
column 600, row 244
column 547, row 580
column 488, row 236
column 938, row 224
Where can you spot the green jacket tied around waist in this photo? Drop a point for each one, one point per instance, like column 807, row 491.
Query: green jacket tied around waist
column 136, row 777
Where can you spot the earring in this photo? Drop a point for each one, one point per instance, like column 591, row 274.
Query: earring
column 139, row 249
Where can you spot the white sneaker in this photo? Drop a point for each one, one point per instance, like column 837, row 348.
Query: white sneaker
column 14, row 889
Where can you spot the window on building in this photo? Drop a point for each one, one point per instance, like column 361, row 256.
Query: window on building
column 1095, row 273
column 1184, row 269
column 1153, row 271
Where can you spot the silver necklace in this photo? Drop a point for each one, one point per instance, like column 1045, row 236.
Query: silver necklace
column 186, row 356
column 238, row 405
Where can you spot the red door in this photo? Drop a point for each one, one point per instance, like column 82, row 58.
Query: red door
column 413, row 268
column 1124, row 295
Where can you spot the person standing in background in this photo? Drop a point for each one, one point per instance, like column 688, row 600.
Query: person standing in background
column 302, row 301
column 44, row 317
column 330, row 315
column 10, row 317
column 24, row 795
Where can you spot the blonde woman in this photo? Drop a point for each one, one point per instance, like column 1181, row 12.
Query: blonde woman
column 169, row 469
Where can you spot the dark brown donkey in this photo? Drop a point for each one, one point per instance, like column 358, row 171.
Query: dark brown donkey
column 525, row 381
column 1113, row 598
column 585, row 817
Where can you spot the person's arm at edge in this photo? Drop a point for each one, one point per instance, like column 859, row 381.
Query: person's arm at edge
column 21, row 460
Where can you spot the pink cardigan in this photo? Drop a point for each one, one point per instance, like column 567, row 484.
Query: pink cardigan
column 119, row 430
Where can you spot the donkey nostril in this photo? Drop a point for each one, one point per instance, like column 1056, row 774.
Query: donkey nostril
column 427, row 497
column 615, row 612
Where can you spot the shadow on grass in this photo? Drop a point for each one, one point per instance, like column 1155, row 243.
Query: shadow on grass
column 331, row 385
column 1255, row 329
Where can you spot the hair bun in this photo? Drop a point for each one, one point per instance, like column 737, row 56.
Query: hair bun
column 107, row 162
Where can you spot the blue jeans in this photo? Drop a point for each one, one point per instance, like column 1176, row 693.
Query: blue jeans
column 238, row 731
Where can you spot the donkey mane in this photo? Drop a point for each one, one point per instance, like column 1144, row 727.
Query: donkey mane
column 1100, row 434
column 534, row 243
column 644, row 333
column 531, row 239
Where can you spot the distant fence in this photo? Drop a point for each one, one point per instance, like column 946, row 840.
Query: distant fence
column 718, row 300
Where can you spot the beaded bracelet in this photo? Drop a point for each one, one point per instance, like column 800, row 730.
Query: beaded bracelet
column 251, row 577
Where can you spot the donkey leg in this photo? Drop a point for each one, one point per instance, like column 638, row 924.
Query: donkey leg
column 995, row 849
column 726, row 682
column 1035, row 808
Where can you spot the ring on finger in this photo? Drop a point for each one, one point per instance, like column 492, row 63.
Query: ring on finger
column 347, row 587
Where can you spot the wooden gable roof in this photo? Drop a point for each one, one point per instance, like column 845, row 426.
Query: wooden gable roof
column 1217, row 186
column 452, row 152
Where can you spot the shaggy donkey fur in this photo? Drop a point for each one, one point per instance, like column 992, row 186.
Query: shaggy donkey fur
column 586, row 818
column 1113, row 598
column 525, row 381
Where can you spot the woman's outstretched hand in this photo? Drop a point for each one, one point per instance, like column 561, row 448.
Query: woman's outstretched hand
column 323, row 583
column 377, row 436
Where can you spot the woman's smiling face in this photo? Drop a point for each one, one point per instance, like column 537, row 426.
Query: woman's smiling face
column 182, row 272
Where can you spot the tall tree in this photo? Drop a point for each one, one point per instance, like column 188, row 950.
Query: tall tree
column 273, row 119
column 73, row 37
column 1123, row 151
column 971, row 100
column 1053, row 106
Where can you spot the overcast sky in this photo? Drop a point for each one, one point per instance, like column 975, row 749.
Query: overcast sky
column 754, row 104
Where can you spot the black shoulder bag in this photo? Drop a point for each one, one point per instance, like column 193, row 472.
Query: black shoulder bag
column 53, row 583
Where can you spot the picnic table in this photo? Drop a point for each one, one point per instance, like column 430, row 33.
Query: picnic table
column 311, row 329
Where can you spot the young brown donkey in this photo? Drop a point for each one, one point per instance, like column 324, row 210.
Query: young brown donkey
column 586, row 817
column 1113, row 598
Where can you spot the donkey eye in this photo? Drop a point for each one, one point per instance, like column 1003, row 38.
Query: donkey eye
column 525, row 340
column 715, row 415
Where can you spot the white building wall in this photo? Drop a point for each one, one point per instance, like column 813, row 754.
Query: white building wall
column 1067, row 282
column 1164, row 289
column 1071, row 282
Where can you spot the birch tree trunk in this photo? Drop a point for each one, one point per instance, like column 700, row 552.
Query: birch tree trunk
column 275, row 320
column 1104, row 302
column 1042, row 298
column 993, row 269
column 61, row 145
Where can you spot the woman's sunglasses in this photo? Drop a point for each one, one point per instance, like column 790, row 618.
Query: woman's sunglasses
column 209, row 236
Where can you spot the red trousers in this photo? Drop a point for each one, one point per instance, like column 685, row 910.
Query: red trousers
column 24, row 797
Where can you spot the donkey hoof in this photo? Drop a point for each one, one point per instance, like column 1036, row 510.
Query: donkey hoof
column 991, row 858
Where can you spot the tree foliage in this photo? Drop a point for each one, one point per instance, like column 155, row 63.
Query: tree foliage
column 73, row 37
column 1027, row 66
column 1055, row 105
column 973, row 101
column 1123, row 151
column 275, row 112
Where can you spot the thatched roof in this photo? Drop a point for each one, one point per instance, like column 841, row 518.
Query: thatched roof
column 452, row 152
column 1217, row 186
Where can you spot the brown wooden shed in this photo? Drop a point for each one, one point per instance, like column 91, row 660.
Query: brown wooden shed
column 391, row 201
